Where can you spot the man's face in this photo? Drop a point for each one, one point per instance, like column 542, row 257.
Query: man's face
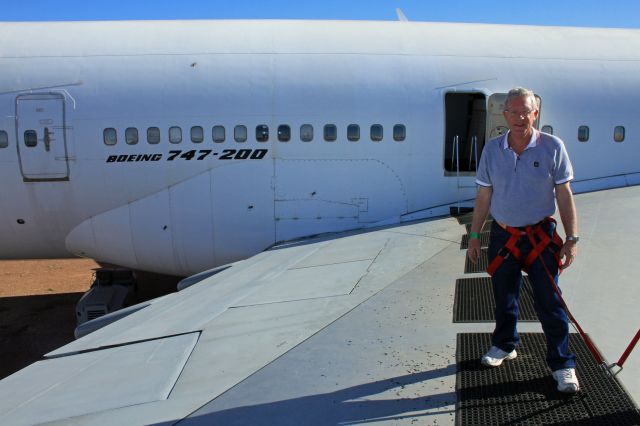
column 521, row 113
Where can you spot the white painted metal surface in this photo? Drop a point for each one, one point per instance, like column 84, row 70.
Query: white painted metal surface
column 185, row 215
column 108, row 379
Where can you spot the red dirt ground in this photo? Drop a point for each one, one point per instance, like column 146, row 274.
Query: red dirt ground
column 37, row 307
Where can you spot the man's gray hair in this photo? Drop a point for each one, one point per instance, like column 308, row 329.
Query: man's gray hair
column 521, row 92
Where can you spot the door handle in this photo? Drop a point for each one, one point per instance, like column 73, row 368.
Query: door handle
column 47, row 139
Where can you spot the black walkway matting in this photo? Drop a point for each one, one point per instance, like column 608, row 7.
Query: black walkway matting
column 474, row 301
column 484, row 240
column 485, row 228
column 466, row 216
column 481, row 266
column 522, row 391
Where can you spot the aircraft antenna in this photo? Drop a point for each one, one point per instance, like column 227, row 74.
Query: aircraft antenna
column 401, row 16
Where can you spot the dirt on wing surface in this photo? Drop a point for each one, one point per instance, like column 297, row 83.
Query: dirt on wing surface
column 37, row 307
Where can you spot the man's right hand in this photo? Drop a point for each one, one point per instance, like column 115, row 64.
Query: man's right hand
column 480, row 210
column 474, row 250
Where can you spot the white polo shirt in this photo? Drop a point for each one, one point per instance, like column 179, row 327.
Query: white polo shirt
column 523, row 187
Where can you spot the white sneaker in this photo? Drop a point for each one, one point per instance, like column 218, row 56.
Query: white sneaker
column 495, row 356
column 567, row 380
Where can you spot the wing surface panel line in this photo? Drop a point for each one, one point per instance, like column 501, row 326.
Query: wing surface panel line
column 119, row 345
column 369, row 267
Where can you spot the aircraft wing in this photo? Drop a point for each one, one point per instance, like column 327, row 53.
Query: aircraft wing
column 335, row 330
column 183, row 350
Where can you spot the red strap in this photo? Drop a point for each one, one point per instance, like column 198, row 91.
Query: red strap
column 541, row 246
column 626, row 353
column 511, row 247
column 537, row 248
column 592, row 348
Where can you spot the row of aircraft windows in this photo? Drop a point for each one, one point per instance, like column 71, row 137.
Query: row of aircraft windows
column 262, row 134
column 583, row 133
column 240, row 134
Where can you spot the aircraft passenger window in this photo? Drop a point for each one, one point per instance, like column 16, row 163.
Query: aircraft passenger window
column 197, row 134
column 240, row 133
column 306, row 133
column 284, row 133
column 110, row 136
column 262, row 133
column 547, row 129
column 131, row 136
column 399, row 132
column 4, row 139
column 175, row 134
column 583, row 133
column 330, row 132
column 353, row 132
column 376, row 132
column 153, row 135
column 618, row 134
column 218, row 134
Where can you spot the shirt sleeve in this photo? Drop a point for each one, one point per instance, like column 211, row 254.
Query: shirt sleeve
column 564, row 170
column 483, row 178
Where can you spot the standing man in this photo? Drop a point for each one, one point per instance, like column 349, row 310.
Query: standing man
column 521, row 176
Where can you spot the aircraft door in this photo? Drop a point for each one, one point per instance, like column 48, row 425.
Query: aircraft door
column 496, row 124
column 40, row 132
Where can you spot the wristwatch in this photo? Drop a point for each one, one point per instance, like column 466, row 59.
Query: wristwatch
column 573, row 238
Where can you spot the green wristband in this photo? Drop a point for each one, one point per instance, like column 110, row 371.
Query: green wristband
column 474, row 235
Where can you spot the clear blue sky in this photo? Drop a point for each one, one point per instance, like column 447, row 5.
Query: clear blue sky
column 596, row 13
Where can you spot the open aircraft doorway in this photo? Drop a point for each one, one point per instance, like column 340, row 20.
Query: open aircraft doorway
column 465, row 118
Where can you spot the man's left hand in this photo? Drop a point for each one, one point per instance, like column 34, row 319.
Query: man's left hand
column 568, row 252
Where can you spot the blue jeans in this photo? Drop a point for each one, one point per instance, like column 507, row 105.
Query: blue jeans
column 507, row 281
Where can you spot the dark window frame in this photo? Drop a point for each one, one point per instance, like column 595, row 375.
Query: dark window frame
column 131, row 140
column 583, row 133
column 399, row 132
column 330, row 132
column 215, row 130
column 197, row 138
column 284, row 133
column 106, row 136
column 153, row 135
column 374, row 137
column 353, row 132
column 240, row 127
column 4, row 139
column 304, row 135
column 262, row 133
column 175, row 140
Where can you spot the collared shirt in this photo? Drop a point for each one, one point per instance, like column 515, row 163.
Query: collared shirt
column 523, row 186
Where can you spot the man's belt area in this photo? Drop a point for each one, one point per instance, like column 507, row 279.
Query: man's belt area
column 539, row 239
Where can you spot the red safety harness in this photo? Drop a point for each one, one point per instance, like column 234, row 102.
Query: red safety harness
column 540, row 240
column 531, row 231
column 540, row 244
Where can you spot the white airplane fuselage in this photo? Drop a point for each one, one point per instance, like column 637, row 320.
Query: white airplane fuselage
column 183, row 205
